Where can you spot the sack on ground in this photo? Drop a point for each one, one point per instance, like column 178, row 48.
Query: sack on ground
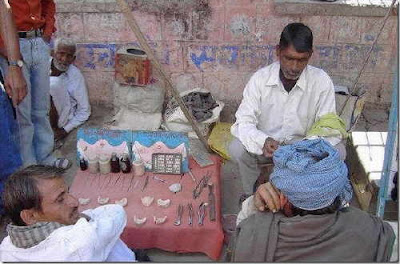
column 148, row 99
column 203, row 107
column 127, row 119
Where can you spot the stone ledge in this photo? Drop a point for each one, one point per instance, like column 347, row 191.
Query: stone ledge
column 339, row 8
column 87, row 6
column 281, row 7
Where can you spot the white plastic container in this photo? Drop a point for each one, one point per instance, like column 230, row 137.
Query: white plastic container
column 104, row 164
column 93, row 164
column 138, row 167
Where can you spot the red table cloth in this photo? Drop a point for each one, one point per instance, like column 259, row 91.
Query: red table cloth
column 207, row 238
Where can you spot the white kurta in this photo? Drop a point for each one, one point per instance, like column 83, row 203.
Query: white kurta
column 95, row 240
column 70, row 98
column 268, row 110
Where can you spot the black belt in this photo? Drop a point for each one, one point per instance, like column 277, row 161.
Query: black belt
column 30, row 34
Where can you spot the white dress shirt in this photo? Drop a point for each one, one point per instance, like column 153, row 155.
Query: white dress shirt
column 96, row 240
column 268, row 110
column 70, row 98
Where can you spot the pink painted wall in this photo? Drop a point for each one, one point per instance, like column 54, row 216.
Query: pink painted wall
column 219, row 44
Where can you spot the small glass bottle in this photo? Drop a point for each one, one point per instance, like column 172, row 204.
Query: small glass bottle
column 125, row 163
column 114, row 163
column 83, row 164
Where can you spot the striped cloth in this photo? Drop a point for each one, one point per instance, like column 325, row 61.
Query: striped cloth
column 311, row 174
column 29, row 236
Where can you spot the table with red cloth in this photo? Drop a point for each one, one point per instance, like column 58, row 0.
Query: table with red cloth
column 207, row 238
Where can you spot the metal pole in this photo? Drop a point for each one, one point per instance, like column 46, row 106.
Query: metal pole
column 389, row 148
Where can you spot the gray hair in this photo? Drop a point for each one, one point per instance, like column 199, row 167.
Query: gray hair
column 64, row 42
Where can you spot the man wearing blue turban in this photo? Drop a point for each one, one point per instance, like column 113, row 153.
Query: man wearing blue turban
column 302, row 213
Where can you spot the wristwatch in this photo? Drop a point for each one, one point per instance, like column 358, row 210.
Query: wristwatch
column 18, row 63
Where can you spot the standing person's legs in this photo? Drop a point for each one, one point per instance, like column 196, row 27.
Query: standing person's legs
column 23, row 110
column 43, row 138
column 249, row 168
column 10, row 159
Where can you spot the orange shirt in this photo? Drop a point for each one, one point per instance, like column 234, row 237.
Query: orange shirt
column 34, row 14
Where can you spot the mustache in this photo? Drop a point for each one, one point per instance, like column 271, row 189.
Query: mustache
column 74, row 211
column 294, row 73
column 289, row 74
column 60, row 66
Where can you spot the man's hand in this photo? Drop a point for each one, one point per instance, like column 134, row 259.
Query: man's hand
column 270, row 145
column 15, row 84
column 268, row 197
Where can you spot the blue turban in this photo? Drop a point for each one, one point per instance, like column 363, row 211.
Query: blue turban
column 311, row 174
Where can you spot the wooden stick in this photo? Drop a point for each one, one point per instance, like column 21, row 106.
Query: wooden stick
column 143, row 43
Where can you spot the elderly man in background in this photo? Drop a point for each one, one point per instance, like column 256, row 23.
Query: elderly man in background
column 47, row 227
column 309, row 192
column 281, row 103
column 34, row 21
column 70, row 103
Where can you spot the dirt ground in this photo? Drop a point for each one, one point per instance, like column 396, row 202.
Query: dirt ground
column 373, row 119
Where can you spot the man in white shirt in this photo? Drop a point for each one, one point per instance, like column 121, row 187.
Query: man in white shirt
column 67, row 89
column 280, row 104
column 47, row 227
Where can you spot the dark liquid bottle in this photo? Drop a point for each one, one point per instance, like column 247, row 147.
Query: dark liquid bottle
column 114, row 163
column 125, row 164
column 83, row 164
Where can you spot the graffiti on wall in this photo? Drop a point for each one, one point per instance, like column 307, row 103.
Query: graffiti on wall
column 94, row 56
column 245, row 58
column 230, row 56
column 101, row 56
column 249, row 58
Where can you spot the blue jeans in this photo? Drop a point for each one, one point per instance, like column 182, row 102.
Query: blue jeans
column 10, row 159
column 35, row 133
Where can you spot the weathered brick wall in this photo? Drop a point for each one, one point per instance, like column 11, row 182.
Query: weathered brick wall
column 219, row 44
